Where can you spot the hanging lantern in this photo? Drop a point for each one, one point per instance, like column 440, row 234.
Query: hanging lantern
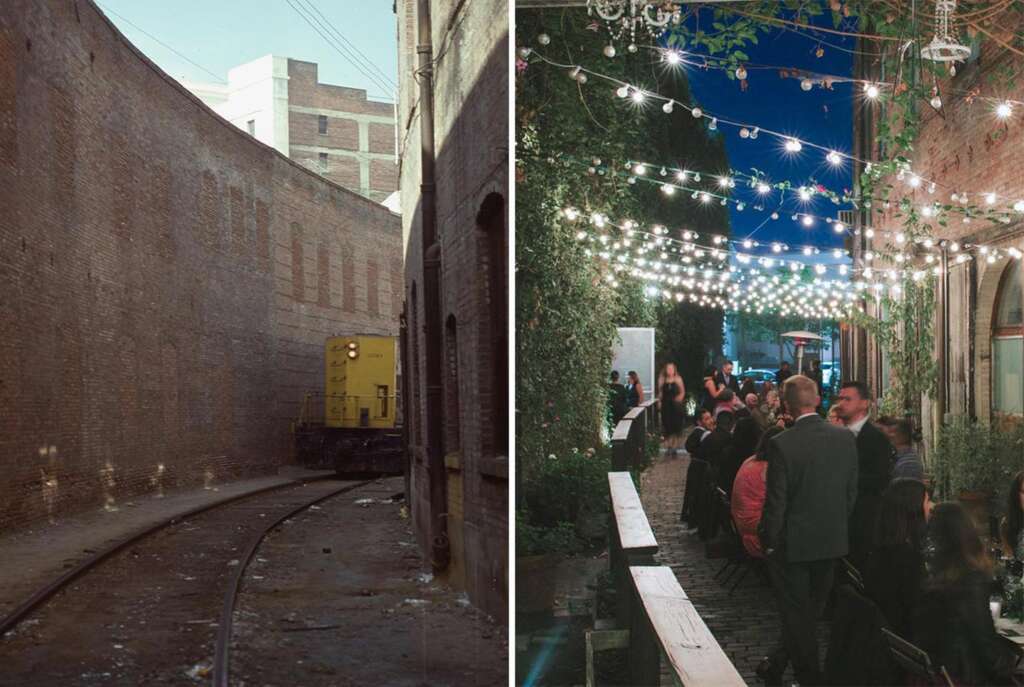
column 945, row 47
column 625, row 17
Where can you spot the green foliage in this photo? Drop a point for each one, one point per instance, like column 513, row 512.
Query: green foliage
column 533, row 540
column 562, row 488
column 565, row 315
column 972, row 456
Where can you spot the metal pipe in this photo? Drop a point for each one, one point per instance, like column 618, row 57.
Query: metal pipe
column 431, row 294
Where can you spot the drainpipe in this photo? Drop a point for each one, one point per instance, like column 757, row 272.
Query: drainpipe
column 440, row 552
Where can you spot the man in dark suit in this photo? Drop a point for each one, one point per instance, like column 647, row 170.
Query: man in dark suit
column 726, row 378
column 875, row 458
column 782, row 375
column 811, row 490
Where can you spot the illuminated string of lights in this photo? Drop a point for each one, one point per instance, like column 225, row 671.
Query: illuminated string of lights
column 791, row 144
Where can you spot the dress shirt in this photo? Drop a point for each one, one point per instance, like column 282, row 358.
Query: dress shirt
column 857, row 426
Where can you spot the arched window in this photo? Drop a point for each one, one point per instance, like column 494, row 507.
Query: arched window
column 491, row 221
column 1008, row 344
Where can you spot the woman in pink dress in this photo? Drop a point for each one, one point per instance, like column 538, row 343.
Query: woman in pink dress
column 748, row 494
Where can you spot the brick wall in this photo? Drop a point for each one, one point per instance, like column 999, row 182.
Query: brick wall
column 168, row 282
column 471, row 133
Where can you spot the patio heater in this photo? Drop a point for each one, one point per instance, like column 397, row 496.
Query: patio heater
column 800, row 339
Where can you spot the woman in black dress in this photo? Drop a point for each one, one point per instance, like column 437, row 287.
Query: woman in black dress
column 671, row 391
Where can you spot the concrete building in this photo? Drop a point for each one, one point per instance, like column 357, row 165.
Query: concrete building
column 332, row 130
column 965, row 148
column 167, row 290
column 453, row 106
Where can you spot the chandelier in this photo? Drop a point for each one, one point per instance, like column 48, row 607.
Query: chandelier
column 945, row 47
column 624, row 17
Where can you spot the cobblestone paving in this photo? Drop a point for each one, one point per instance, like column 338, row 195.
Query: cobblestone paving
column 745, row 624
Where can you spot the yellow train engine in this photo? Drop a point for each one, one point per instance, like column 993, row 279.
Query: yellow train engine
column 359, row 430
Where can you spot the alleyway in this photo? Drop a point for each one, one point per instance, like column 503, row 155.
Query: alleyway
column 745, row 623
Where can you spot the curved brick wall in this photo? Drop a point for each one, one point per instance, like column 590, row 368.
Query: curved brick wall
column 166, row 281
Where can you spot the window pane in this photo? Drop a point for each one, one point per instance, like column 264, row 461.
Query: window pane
column 1009, row 313
column 322, row 123
column 1007, row 380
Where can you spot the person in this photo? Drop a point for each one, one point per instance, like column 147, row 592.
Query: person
column 875, row 457
column 748, row 494
column 670, row 404
column 712, row 452
column 745, row 435
column 1011, row 529
column 811, row 491
column 900, row 433
column 833, row 417
column 617, row 402
column 696, row 471
column 710, row 390
column 783, row 373
column 749, row 386
column 895, row 571
column 816, row 375
column 725, row 401
column 952, row 621
column 725, row 378
column 634, row 389
column 754, row 408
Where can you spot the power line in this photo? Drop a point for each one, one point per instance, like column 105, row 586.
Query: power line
column 146, row 33
column 330, row 41
column 366, row 60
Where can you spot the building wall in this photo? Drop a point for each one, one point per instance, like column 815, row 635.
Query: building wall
column 471, row 143
column 168, row 281
column 966, row 148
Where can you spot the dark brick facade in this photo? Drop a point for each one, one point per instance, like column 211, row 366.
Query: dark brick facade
column 471, row 129
column 166, row 282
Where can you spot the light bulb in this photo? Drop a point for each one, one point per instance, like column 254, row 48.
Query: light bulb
column 838, row 227
column 806, row 84
column 622, row 91
column 667, row 107
column 1004, row 110
column 763, row 188
column 793, row 145
column 805, row 195
column 697, row 113
column 672, row 57
column 543, row 39
column 807, row 220
column 609, row 51
column 871, row 91
column 834, row 158
column 638, row 95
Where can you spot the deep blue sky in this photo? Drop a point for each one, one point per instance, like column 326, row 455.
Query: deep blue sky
column 222, row 34
column 820, row 116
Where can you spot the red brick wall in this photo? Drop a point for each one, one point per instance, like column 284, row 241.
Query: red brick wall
column 303, row 129
column 471, row 123
column 167, row 281
column 305, row 90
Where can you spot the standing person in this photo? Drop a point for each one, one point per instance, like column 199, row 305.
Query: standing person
column 711, row 389
column 811, row 490
column 783, row 374
column 833, row 417
column 1011, row 529
column 875, row 457
column 670, row 402
column 900, row 433
column 816, row 376
column 952, row 621
column 617, row 407
column 725, row 378
column 748, row 387
column 634, row 389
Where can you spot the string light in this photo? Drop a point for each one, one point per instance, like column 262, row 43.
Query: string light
column 793, row 145
column 1004, row 110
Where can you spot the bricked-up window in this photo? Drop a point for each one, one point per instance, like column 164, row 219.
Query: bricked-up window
column 1008, row 344
column 321, row 123
column 251, row 126
column 452, row 441
column 323, row 162
column 490, row 220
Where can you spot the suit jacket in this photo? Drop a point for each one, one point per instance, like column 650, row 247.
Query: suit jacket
column 875, row 458
column 733, row 384
column 811, row 489
column 714, row 448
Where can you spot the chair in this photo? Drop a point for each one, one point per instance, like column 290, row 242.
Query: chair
column 915, row 661
column 853, row 575
column 736, row 554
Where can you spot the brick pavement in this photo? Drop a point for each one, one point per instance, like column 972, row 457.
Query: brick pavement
column 746, row 623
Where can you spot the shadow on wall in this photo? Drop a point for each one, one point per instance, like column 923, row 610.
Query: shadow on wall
column 472, row 193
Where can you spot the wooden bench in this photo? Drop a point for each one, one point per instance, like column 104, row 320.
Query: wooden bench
column 630, row 537
column 629, row 436
column 665, row 622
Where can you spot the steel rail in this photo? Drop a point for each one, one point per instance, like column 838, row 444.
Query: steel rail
column 221, row 655
column 40, row 597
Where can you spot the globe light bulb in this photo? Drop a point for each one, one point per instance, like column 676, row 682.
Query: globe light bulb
column 871, row 91
column 793, row 145
column 1004, row 110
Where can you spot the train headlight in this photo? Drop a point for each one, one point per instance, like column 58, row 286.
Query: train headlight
column 353, row 350
column 353, row 354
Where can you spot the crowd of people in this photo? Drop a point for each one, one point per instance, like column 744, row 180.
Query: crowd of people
column 810, row 496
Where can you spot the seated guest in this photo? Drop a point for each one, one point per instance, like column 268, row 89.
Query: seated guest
column 745, row 436
column 952, row 621
column 696, row 472
column 748, row 494
column 901, row 436
column 724, row 402
column 833, row 417
column 1011, row 529
column 895, row 569
column 712, row 451
column 755, row 411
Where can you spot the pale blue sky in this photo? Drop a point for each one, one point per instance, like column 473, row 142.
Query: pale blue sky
column 219, row 34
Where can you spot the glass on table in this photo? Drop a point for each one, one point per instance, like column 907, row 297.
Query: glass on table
column 995, row 605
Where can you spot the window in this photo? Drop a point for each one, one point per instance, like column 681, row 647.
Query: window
column 321, row 122
column 490, row 220
column 251, row 126
column 1008, row 344
column 323, row 162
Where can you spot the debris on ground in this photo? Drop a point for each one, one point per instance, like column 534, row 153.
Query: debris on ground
column 200, row 671
column 425, row 578
column 233, row 562
column 416, row 602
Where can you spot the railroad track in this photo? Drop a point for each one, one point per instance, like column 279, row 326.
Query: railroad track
column 254, row 515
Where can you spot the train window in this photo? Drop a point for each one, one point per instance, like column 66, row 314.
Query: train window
column 382, row 394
